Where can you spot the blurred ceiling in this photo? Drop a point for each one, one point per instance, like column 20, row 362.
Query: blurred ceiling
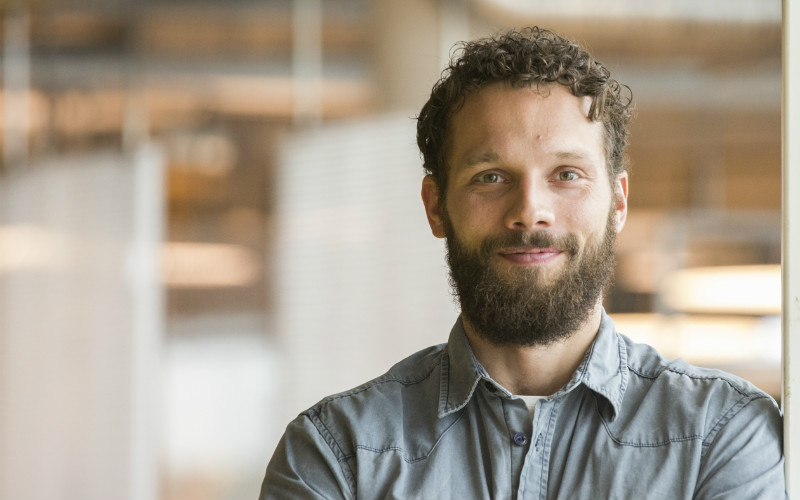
column 218, row 83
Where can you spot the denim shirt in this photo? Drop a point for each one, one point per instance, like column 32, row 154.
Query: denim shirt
column 629, row 424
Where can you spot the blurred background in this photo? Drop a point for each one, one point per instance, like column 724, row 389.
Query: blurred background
column 210, row 215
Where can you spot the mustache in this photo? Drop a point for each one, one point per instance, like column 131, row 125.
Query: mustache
column 540, row 239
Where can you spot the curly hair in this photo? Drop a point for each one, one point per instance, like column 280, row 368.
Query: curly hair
column 531, row 56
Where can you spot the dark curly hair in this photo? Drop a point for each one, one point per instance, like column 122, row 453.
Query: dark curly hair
column 531, row 56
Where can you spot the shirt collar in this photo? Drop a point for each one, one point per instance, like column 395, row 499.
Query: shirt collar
column 461, row 372
column 603, row 370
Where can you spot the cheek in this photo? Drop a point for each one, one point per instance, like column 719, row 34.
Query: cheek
column 589, row 217
column 470, row 216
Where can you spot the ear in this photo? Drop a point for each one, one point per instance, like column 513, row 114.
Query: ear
column 433, row 208
column 621, row 200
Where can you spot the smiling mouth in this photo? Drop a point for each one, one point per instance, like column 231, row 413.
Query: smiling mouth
column 530, row 255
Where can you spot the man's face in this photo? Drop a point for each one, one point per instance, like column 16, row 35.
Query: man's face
column 530, row 216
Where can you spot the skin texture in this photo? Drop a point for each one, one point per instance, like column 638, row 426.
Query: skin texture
column 528, row 160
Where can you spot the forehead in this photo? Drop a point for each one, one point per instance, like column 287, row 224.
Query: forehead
column 547, row 119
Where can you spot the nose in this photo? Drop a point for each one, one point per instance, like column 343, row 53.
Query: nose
column 531, row 206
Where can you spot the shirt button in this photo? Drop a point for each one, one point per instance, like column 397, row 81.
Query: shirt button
column 520, row 439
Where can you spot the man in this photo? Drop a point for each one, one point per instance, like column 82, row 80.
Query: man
column 535, row 395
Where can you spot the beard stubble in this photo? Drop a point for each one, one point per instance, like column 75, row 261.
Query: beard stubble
column 517, row 308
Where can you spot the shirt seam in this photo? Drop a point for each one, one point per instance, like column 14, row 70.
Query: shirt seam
column 406, row 458
column 726, row 417
column 375, row 383
column 335, row 448
column 444, row 382
column 622, row 351
column 695, row 376
column 639, row 444
column 645, row 375
column 315, row 415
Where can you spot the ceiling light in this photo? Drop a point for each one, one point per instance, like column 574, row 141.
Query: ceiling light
column 209, row 265
column 753, row 289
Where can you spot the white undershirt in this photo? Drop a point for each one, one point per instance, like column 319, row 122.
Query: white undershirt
column 530, row 402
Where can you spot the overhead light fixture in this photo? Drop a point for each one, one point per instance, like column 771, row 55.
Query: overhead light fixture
column 31, row 247
column 208, row 265
column 750, row 289
column 26, row 247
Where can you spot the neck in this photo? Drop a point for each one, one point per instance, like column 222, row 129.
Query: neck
column 535, row 370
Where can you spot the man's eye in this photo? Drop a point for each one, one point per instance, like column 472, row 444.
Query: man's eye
column 567, row 175
column 490, row 178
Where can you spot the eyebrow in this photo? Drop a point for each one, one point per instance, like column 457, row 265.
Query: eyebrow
column 487, row 157
column 491, row 157
column 571, row 155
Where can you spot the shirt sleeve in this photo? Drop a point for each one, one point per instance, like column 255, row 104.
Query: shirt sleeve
column 304, row 467
column 744, row 459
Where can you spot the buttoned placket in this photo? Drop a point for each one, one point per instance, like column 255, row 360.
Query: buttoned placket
column 517, row 427
column 533, row 477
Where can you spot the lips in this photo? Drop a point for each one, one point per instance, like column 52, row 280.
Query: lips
column 530, row 255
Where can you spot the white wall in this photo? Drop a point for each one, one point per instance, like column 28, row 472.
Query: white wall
column 361, row 282
column 80, row 325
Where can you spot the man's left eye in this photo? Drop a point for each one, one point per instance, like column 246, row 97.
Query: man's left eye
column 490, row 178
column 567, row 175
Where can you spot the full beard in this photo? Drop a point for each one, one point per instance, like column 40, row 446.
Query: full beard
column 519, row 309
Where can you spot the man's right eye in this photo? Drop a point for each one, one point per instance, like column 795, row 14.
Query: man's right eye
column 490, row 178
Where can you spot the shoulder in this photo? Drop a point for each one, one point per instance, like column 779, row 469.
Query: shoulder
column 325, row 437
column 371, row 411
column 688, row 402
column 408, row 373
column 647, row 366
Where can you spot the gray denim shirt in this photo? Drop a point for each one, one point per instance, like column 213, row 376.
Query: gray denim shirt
column 629, row 424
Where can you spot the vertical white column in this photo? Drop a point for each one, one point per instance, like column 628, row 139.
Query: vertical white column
column 147, row 318
column 791, row 244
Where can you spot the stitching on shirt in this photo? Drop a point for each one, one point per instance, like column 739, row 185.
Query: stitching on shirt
column 548, row 441
column 330, row 440
column 376, row 382
column 325, row 432
column 726, row 417
column 510, row 453
column 695, row 376
column 444, row 383
column 315, row 414
column 721, row 377
column 399, row 449
column 584, row 367
column 650, row 445
column 622, row 349
column 449, row 408
column 645, row 375
column 692, row 437
column 614, row 396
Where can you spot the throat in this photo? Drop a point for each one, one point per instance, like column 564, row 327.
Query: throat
column 538, row 370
